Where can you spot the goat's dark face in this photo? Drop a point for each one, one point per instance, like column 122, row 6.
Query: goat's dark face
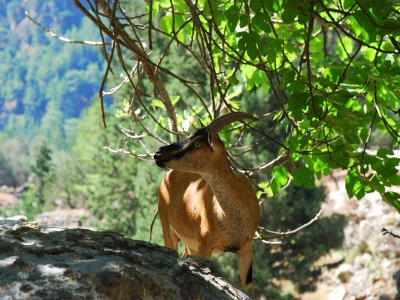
column 193, row 154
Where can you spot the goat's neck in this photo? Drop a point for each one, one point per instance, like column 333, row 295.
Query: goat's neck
column 222, row 182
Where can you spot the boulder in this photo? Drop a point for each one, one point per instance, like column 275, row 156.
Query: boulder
column 359, row 286
column 338, row 293
column 54, row 263
column 344, row 272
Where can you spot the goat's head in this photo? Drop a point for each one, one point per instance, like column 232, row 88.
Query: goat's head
column 202, row 148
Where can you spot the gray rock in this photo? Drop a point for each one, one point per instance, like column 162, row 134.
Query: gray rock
column 344, row 272
column 359, row 284
column 43, row 263
column 338, row 293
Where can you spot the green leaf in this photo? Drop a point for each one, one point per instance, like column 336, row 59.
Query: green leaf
column 263, row 185
column 252, row 50
column 303, row 176
column 166, row 23
column 393, row 199
column 232, row 15
column 368, row 30
column 296, row 104
column 157, row 103
column 384, row 152
column 345, row 47
column 355, row 184
column 174, row 99
column 235, row 104
column 248, row 71
column 255, row 5
column 296, row 86
column 260, row 22
column 290, row 11
column 281, row 175
column 347, row 4
column 244, row 21
column 273, row 5
column 351, row 137
column 363, row 134
column 243, row 40
column 392, row 180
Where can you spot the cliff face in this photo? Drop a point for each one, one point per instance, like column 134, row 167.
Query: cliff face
column 57, row 263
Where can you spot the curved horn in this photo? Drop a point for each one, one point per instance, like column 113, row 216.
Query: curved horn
column 220, row 122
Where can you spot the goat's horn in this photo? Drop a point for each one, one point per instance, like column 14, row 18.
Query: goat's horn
column 220, row 122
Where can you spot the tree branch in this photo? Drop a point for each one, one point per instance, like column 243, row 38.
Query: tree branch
column 280, row 235
column 51, row 33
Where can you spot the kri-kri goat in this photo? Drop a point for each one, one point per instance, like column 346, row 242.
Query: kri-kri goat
column 203, row 202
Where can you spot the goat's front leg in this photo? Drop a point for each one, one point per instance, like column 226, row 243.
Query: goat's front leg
column 204, row 250
column 245, row 264
column 187, row 252
column 171, row 240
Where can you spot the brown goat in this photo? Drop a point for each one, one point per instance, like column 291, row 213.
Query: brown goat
column 203, row 202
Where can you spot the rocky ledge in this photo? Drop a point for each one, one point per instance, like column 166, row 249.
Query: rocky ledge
column 56, row 263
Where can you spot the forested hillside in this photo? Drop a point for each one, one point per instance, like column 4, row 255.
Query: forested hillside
column 45, row 83
column 43, row 78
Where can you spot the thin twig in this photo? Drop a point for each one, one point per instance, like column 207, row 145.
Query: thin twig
column 152, row 225
column 129, row 153
column 385, row 231
column 125, row 81
column 277, row 234
column 51, row 33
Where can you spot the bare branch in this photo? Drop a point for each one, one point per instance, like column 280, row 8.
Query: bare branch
column 152, row 225
column 121, row 37
column 51, row 33
column 270, row 164
column 280, row 235
column 125, row 81
column 123, row 152
column 385, row 231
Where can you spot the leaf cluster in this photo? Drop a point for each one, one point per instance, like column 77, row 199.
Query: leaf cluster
column 330, row 70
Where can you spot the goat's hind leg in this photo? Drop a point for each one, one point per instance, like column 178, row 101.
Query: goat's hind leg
column 245, row 264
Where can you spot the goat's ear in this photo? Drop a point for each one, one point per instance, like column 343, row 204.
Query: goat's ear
column 209, row 140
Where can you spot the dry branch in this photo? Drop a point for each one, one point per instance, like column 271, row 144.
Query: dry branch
column 120, row 37
column 51, row 33
column 262, row 232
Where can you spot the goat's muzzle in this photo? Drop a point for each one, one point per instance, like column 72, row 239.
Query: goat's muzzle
column 171, row 152
column 160, row 158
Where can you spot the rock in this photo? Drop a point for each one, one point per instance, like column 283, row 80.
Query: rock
column 54, row 263
column 374, row 257
column 359, row 284
column 331, row 260
column 64, row 217
column 7, row 200
column 338, row 293
column 344, row 272
column 364, row 260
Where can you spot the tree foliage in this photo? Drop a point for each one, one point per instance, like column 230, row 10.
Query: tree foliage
column 329, row 72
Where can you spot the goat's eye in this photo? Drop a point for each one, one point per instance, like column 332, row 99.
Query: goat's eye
column 197, row 144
